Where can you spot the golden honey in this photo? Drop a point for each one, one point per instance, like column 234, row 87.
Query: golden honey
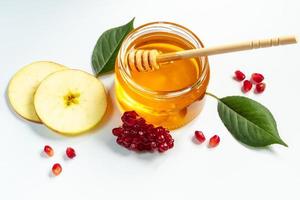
column 172, row 95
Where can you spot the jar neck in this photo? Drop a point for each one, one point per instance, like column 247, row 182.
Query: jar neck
column 167, row 27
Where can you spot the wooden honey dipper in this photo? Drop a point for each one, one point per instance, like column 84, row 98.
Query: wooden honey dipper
column 148, row 60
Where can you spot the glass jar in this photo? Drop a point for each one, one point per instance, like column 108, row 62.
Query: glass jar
column 171, row 96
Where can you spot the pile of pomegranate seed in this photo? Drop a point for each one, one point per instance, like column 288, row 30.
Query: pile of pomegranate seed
column 135, row 134
column 56, row 168
column 256, row 78
column 213, row 141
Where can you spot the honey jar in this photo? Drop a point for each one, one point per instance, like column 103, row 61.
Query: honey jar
column 174, row 94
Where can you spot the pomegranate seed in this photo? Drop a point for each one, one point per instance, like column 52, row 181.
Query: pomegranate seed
column 153, row 145
column 56, row 169
column 214, row 141
column 119, row 141
column 129, row 121
column 163, row 147
column 135, row 134
column 118, row 131
column 133, row 147
column 48, row 150
column 257, row 77
column 171, row 144
column 160, row 138
column 70, row 152
column 131, row 114
column 260, row 87
column 239, row 75
column 247, row 85
column 199, row 136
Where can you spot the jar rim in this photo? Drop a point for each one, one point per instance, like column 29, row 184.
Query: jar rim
column 124, row 71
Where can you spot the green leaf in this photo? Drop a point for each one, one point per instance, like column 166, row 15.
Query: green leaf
column 107, row 47
column 248, row 121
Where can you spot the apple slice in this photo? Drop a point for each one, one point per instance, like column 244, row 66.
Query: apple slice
column 23, row 85
column 70, row 101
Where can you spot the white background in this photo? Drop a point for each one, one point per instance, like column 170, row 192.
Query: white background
column 66, row 32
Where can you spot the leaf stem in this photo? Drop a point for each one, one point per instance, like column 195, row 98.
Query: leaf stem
column 212, row 95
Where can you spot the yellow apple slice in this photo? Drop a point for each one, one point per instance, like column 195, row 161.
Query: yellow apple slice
column 23, row 85
column 70, row 101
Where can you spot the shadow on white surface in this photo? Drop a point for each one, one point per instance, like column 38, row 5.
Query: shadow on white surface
column 65, row 158
column 43, row 155
column 51, row 175
column 43, row 131
column 267, row 149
